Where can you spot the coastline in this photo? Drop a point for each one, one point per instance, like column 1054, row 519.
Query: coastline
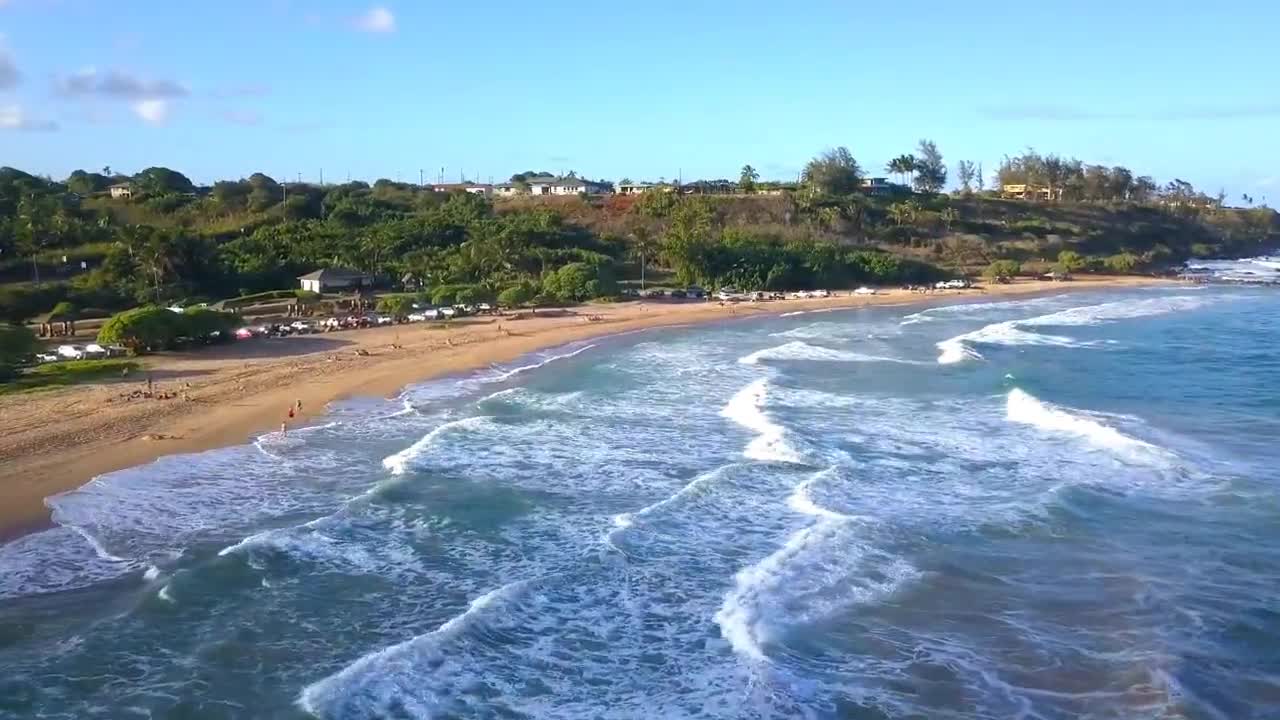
column 58, row 440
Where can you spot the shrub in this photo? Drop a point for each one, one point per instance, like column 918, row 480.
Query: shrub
column 1121, row 263
column 579, row 281
column 517, row 295
column 16, row 345
column 64, row 310
column 470, row 295
column 396, row 305
column 1001, row 269
column 444, row 295
column 155, row 328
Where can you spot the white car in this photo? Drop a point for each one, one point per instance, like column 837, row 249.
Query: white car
column 728, row 294
column 302, row 326
column 386, row 320
column 48, row 357
column 799, row 295
column 864, row 290
column 95, row 350
column 822, row 293
column 71, row 352
column 447, row 312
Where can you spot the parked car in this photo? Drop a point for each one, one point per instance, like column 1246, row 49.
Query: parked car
column 630, row 292
column 821, row 293
column 71, row 352
column 695, row 292
column 448, row 312
column 244, row 334
column 47, row 357
column 94, row 350
column 655, row 294
column 728, row 294
column 385, row 320
column 302, row 327
column 485, row 308
column 679, row 294
column 864, row 290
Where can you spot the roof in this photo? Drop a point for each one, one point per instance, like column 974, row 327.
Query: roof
column 333, row 274
column 120, row 185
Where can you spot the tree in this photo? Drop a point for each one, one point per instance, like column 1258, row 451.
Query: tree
column 161, row 181
column 86, row 183
column 982, row 183
column 931, row 171
column 517, row 295
column 966, row 172
column 902, row 166
column 643, row 247
column 17, row 343
column 747, row 180
column 1121, row 263
column 834, row 172
column 397, row 306
column 1003, row 270
column 1070, row 261
column 578, row 281
column 142, row 329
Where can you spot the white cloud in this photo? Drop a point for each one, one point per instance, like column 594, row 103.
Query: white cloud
column 377, row 20
column 13, row 117
column 116, row 84
column 152, row 111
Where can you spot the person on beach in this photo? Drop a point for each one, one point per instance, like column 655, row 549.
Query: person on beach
column 290, row 413
column 298, row 405
column 283, row 426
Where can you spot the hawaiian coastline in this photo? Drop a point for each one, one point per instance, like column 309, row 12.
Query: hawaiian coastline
column 58, row 440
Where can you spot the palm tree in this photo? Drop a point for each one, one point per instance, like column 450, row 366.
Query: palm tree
column 902, row 166
column 643, row 246
column 747, row 181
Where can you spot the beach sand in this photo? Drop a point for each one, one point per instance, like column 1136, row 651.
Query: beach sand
column 57, row 440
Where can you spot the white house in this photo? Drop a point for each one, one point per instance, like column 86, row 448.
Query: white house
column 122, row 190
column 334, row 279
column 473, row 188
column 635, row 188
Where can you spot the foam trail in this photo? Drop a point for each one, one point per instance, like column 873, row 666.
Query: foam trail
column 165, row 595
column 814, row 573
column 97, row 546
column 626, row 520
column 798, row 350
column 1022, row 407
column 330, row 696
column 770, row 443
column 525, row 368
column 793, row 313
column 399, row 463
column 801, row 501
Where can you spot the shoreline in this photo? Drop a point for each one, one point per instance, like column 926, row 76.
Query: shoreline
column 58, row 440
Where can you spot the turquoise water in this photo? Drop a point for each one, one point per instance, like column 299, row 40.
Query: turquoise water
column 1047, row 508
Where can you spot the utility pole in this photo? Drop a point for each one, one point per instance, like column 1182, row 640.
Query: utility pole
column 420, row 183
column 321, row 177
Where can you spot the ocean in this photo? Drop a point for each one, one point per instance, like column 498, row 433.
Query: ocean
column 1057, row 507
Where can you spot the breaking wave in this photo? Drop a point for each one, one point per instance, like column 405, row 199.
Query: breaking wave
column 1012, row 332
column 400, row 462
column 1022, row 407
column 798, row 350
column 746, row 408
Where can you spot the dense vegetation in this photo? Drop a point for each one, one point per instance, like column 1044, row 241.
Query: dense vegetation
column 68, row 244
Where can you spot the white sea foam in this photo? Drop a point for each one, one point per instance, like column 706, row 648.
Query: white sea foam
column 802, row 502
column 1027, row 409
column 165, row 595
column 818, row 570
column 400, row 462
column 793, row 313
column 508, row 374
column 1011, row 332
column 746, row 409
column 375, row 680
column 799, row 350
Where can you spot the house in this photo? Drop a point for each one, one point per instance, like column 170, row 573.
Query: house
column 709, row 187
column 1027, row 191
column 122, row 190
column 473, row 188
column 879, row 186
column 635, row 188
column 567, row 186
column 334, row 279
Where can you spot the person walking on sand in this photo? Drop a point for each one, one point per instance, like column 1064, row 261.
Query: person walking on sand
column 283, row 426
column 290, row 413
column 298, row 405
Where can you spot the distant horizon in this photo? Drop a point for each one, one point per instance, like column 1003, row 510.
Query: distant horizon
column 641, row 92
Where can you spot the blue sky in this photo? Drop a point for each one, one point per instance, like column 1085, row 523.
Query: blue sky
column 641, row 89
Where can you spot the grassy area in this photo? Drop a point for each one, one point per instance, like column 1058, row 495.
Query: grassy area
column 71, row 372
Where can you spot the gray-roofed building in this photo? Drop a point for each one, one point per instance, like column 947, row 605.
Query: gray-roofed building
column 327, row 279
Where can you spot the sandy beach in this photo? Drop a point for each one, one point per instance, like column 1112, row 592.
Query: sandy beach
column 57, row 440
